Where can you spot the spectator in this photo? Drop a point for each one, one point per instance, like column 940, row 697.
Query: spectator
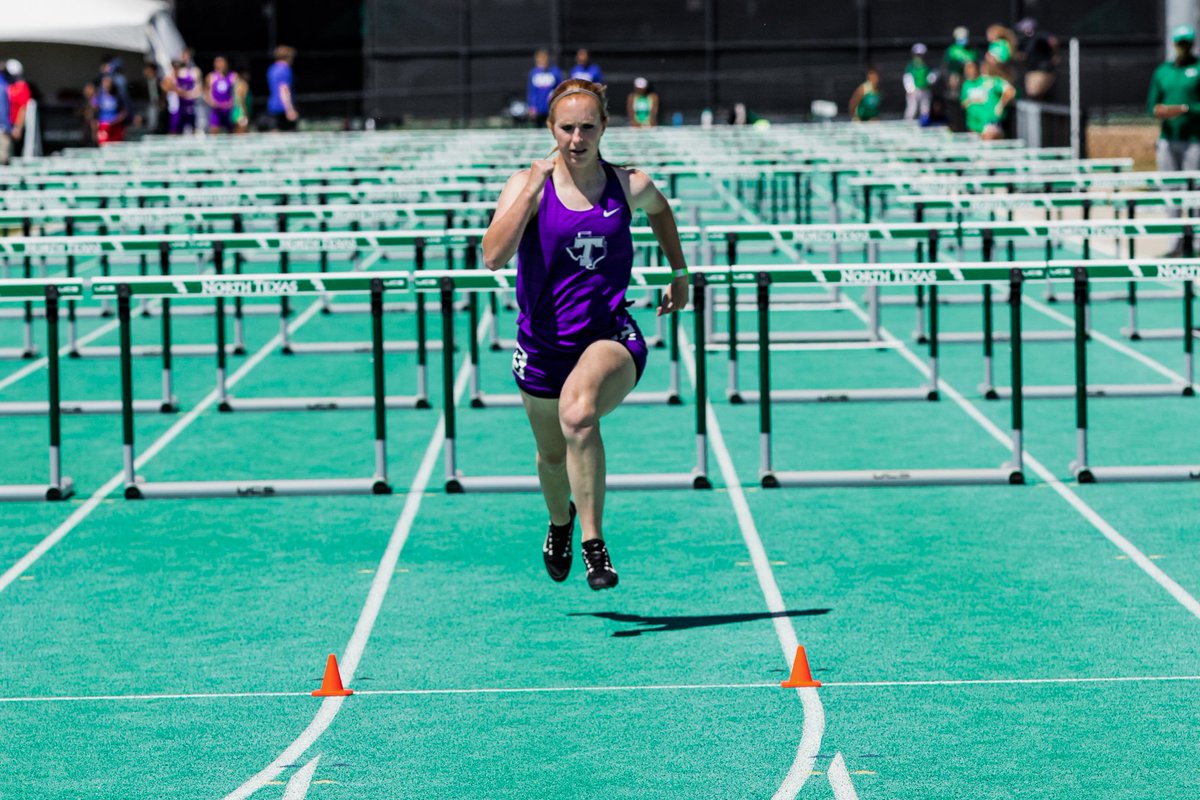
column 584, row 69
column 917, row 93
column 111, row 112
column 243, row 101
column 642, row 105
column 1002, row 43
column 181, row 90
column 985, row 99
column 1039, row 54
column 954, row 61
column 864, row 103
column 151, row 115
column 219, row 90
column 19, row 95
column 281, row 101
column 542, row 80
column 1175, row 101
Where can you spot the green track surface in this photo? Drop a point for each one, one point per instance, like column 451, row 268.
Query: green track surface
column 483, row 679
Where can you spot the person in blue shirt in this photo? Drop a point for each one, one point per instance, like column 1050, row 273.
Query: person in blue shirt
column 542, row 80
column 111, row 112
column 281, row 104
column 584, row 69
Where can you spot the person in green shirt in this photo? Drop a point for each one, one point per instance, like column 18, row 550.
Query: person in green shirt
column 864, row 103
column 916, row 85
column 984, row 100
column 642, row 105
column 957, row 56
column 1175, row 100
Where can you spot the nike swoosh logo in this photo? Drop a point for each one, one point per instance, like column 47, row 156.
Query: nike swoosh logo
column 611, row 211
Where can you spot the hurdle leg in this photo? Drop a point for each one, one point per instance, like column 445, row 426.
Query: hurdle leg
column 1017, row 465
column 701, row 480
column 933, row 342
column 1079, row 467
column 453, row 485
column 673, row 396
column 131, row 490
column 29, row 349
column 733, row 391
column 1189, row 336
column 766, row 472
column 219, row 315
column 422, row 346
column 60, row 488
column 239, row 322
column 380, row 485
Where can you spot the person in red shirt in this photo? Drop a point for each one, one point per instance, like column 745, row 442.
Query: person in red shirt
column 18, row 102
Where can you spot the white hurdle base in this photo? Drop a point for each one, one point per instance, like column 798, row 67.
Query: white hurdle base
column 1005, row 476
column 37, row 408
column 959, row 337
column 1156, row 333
column 260, row 488
column 1152, row 294
column 1138, row 474
column 43, row 491
column 17, row 353
column 751, row 337
column 840, row 395
column 155, row 350
column 357, row 347
column 351, row 403
column 1102, row 390
column 486, row 400
column 529, row 483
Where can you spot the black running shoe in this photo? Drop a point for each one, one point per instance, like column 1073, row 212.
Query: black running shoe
column 600, row 572
column 556, row 552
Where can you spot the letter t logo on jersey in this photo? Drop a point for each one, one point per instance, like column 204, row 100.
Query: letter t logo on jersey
column 589, row 250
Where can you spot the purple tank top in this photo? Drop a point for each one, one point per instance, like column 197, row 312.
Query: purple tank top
column 222, row 88
column 185, row 82
column 573, row 269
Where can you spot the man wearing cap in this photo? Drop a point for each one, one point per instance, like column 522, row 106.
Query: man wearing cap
column 1175, row 99
column 916, row 85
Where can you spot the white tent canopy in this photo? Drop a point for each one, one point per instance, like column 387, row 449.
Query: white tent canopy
column 140, row 26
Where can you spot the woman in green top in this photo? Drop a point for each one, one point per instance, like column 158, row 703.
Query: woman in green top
column 984, row 100
column 864, row 103
column 642, row 105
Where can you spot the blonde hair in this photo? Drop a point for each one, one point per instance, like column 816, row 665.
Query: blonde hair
column 596, row 91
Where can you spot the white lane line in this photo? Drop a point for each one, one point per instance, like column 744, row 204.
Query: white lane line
column 839, row 779
column 154, row 449
column 682, row 687
column 814, row 711
column 1087, row 512
column 34, row 366
column 1120, row 347
column 297, row 787
column 379, row 586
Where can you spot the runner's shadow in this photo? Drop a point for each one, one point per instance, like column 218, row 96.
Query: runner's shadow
column 683, row 623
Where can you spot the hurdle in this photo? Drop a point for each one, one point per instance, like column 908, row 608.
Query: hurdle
column 221, row 287
column 1081, row 467
column 763, row 278
column 445, row 284
column 58, row 487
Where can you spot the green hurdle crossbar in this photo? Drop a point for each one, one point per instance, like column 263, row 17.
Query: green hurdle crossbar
column 49, row 292
column 220, row 288
column 445, row 284
column 1130, row 201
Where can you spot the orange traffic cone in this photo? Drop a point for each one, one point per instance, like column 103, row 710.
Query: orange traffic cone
column 331, row 685
column 800, row 678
